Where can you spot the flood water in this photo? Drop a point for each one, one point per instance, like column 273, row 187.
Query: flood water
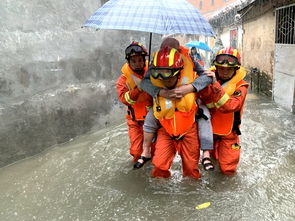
column 91, row 178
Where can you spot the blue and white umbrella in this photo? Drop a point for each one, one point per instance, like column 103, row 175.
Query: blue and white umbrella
column 199, row 45
column 155, row 16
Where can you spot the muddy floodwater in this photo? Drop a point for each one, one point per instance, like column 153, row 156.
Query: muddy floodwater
column 91, row 178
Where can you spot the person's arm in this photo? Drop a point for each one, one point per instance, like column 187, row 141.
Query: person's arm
column 228, row 104
column 215, row 96
column 154, row 91
column 126, row 95
column 198, row 68
column 203, row 80
column 199, row 83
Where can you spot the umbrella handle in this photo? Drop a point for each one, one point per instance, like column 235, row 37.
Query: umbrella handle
column 150, row 46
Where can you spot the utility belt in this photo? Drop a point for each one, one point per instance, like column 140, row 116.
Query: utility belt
column 178, row 137
column 237, row 122
column 131, row 113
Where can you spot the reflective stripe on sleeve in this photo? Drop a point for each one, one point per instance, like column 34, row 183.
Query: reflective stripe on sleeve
column 222, row 100
column 128, row 99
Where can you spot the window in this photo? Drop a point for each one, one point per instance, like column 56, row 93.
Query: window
column 234, row 38
column 212, row 2
column 201, row 4
column 285, row 25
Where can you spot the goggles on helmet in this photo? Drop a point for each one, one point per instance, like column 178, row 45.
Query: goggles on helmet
column 230, row 60
column 164, row 72
column 133, row 50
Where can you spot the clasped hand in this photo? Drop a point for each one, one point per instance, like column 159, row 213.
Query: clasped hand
column 176, row 93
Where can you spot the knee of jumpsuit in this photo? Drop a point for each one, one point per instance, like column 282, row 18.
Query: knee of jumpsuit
column 165, row 151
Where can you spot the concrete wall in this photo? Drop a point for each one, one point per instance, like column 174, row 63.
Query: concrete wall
column 284, row 77
column 225, row 37
column 56, row 79
column 258, row 48
column 258, row 43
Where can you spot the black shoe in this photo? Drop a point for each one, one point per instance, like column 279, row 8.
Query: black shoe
column 207, row 166
column 139, row 164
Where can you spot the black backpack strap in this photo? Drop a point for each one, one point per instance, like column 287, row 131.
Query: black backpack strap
column 237, row 122
column 130, row 112
column 200, row 114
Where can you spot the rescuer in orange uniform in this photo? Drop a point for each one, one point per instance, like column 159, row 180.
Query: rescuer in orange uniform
column 225, row 99
column 130, row 94
column 203, row 118
column 171, row 69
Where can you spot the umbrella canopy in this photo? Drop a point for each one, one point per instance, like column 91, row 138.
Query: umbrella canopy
column 155, row 16
column 199, row 45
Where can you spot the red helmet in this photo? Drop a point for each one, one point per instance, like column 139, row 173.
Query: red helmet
column 228, row 57
column 168, row 58
column 167, row 63
column 135, row 48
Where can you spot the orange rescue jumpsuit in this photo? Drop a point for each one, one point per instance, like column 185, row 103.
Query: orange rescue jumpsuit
column 226, row 106
column 137, row 102
column 179, row 130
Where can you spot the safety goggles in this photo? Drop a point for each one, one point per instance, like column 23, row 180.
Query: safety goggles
column 164, row 73
column 134, row 49
column 230, row 60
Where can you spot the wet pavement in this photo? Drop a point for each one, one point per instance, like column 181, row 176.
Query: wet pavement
column 91, row 178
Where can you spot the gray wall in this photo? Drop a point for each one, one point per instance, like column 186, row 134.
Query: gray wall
column 284, row 76
column 56, row 79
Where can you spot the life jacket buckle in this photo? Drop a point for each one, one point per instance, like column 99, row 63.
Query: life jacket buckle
column 178, row 137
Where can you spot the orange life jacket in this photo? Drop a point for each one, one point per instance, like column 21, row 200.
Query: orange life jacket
column 139, row 109
column 222, row 123
column 177, row 116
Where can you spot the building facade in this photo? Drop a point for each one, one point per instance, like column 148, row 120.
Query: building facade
column 264, row 33
column 207, row 7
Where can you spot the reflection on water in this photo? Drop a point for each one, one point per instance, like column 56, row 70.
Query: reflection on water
column 91, row 178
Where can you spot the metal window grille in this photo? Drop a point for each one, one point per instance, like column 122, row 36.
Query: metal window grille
column 285, row 25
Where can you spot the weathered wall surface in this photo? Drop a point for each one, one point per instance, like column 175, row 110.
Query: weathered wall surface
column 258, row 47
column 258, row 43
column 31, row 125
column 56, row 79
column 284, row 77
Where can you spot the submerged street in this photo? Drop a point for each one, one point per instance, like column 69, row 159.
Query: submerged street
column 70, row 68
column 91, row 178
